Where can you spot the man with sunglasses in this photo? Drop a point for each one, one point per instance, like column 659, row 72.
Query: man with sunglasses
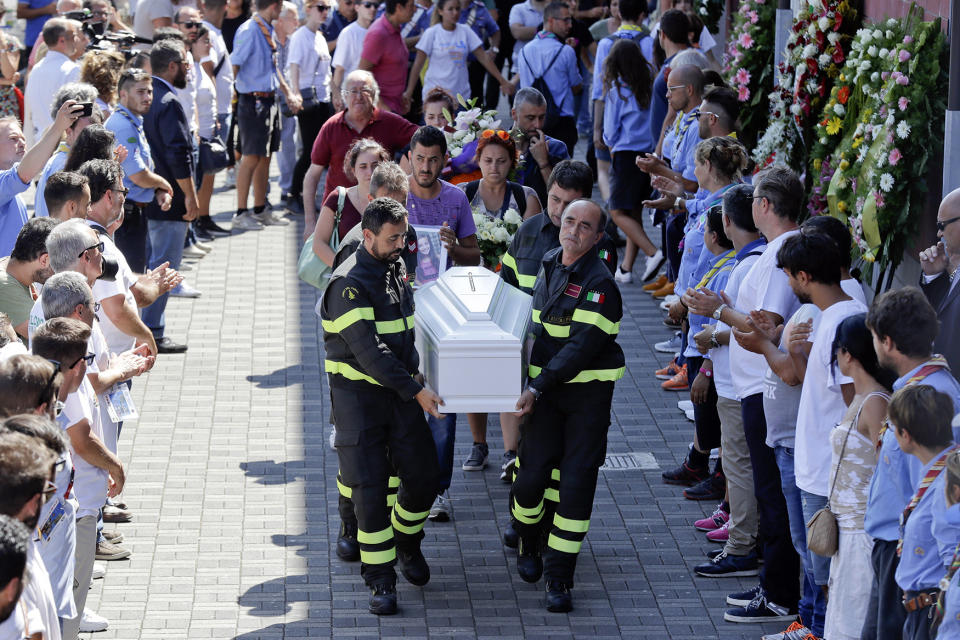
column 337, row 20
column 941, row 272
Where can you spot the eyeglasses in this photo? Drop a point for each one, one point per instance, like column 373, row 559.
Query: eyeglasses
column 356, row 92
column 48, row 490
column 59, row 466
column 322, row 8
column 190, row 25
column 53, row 376
column 87, row 358
column 567, row 19
column 121, row 190
column 369, row 5
column 675, row 87
column 943, row 224
column 99, row 247
column 707, row 113
column 500, row 133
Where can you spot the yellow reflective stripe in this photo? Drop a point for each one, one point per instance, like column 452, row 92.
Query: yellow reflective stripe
column 378, row 557
column 412, row 517
column 525, row 281
column 393, row 481
column 552, row 495
column 405, row 528
column 347, row 319
column 348, row 372
column 365, row 537
column 553, row 330
column 555, row 475
column 567, row 546
column 597, row 320
column 589, row 375
column 344, row 490
column 573, row 526
column 391, row 500
column 395, row 326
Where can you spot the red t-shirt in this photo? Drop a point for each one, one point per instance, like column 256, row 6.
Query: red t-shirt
column 349, row 217
column 336, row 136
column 384, row 48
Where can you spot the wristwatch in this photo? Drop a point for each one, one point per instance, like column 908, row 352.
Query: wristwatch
column 678, row 203
column 713, row 336
column 719, row 311
column 533, row 390
column 707, row 372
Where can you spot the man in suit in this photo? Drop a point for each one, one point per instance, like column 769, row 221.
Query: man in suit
column 168, row 134
column 941, row 272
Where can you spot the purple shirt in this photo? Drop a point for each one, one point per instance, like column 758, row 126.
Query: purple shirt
column 451, row 206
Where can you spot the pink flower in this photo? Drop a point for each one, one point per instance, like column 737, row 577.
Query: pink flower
column 742, row 77
column 895, row 76
column 745, row 40
column 902, row 103
column 753, row 17
column 885, row 75
column 894, row 157
column 743, row 93
column 904, row 55
column 903, row 80
column 908, row 40
column 879, row 198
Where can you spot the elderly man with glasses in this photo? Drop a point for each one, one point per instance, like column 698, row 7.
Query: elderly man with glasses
column 941, row 272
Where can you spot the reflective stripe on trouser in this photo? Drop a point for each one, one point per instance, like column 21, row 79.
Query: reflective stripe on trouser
column 378, row 436
column 568, row 433
column 393, row 486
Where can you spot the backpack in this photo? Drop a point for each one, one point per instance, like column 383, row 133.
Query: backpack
column 553, row 111
column 518, row 195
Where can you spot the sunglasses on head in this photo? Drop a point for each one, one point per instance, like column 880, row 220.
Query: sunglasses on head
column 500, row 133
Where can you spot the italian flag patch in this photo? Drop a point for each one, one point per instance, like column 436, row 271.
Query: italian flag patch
column 594, row 296
column 604, row 254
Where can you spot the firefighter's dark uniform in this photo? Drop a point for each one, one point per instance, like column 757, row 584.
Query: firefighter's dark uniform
column 574, row 363
column 367, row 318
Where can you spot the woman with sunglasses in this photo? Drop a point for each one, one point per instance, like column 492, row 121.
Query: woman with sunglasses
column 494, row 194
column 308, row 67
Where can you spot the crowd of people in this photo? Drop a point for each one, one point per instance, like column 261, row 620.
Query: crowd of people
column 837, row 473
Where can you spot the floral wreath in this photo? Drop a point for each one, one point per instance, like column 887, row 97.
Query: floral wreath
column 748, row 62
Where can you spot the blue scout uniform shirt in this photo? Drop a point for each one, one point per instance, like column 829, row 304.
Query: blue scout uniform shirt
column 54, row 164
column 717, row 282
column 625, row 123
column 928, row 540
column 253, row 58
column 950, row 627
column 562, row 75
column 13, row 213
column 685, row 145
column 629, row 32
column 35, row 25
column 898, row 473
column 477, row 17
column 659, row 104
column 695, row 258
column 334, row 25
column 128, row 129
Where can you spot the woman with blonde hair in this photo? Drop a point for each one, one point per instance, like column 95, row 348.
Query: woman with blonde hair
column 102, row 70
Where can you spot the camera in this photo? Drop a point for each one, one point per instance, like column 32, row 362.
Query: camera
column 87, row 109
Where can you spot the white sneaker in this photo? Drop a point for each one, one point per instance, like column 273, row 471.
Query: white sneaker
column 654, row 263
column 440, row 511
column 246, row 222
column 203, row 246
column 669, row 346
column 185, row 266
column 268, row 218
column 685, row 405
column 99, row 570
column 690, row 415
column 333, row 438
column 230, row 180
column 91, row 622
column 623, row 278
column 184, row 290
column 191, row 251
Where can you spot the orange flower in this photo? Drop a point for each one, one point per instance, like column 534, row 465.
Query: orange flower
column 843, row 95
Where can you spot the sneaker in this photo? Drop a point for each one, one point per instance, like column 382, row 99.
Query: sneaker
column 115, row 514
column 209, row 225
column 668, row 371
column 725, row 565
column 166, row 345
column 230, row 178
column 90, row 622
column 113, row 536
column 478, row 457
column 440, row 511
column 559, row 599
column 184, row 290
column 654, row 263
column 203, row 246
column 294, row 206
column 383, row 600
column 623, row 277
column 667, row 302
column 508, row 465
column 246, row 222
column 99, row 570
column 109, row 551
column 663, row 291
column 650, row 287
column 760, row 610
column 685, row 475
column 711, row 488
column 684, row 405
column 669, row 346
column 202, row 234
column 268, row 218
column 743, row 598
column 796, row 631
column 677, row 382
column 716, row 520
column 670, row 323
column 191, row 251
column 333, row 438
column 184, row 267
column 720, row 534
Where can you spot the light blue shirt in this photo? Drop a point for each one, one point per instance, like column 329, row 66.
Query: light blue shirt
column 625, row 123
column 54, row 164
column 683, row 155
column 523, row 14
column 897, row 473
column 128, row 129
column 603, row 49
column 13, row 213
column 928, row 540
column 716, row 283
column 695, row 258
column 253, row 58
column 560, row 77
column 950, row 627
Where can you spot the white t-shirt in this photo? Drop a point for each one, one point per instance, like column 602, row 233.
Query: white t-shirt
column 447, row 52
column 721, row 355
column 188, row 96
column 224, row 78
column 57, row 542
column 765, row 287
column 147, row 12
column 308, row 50
column 22, row 617
column 97, row 344
column 90, row 482
column 38, row 595
column 821, row 401
column 117, row 341
column 206, row 105
column 349, row 48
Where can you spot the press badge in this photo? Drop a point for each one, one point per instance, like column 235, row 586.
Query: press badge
column 120, row 405
column 46, row 530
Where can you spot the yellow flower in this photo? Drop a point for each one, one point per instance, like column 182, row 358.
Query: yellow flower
column 817, row 163
column 833, row 126
column 842, row 206
column 844, row 165
column 856, row 142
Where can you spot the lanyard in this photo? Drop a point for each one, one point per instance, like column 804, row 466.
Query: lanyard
column 717, row 268
column 925, row 483
column 269, row 38
column 682, row 128
column 931, row 366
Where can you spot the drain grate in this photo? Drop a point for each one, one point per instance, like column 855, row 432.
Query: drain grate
column 641, row 461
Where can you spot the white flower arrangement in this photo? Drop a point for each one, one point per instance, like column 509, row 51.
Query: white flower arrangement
column 494, row 235
column 467, row 125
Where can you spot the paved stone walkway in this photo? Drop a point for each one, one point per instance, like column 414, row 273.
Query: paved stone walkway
column 232, row 485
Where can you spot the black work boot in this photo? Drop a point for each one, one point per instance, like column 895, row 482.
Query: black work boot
column 559, row 599
column 511, row 538
column 529, row 561
column 413, row 565
column 383, row 599
column 348, row 549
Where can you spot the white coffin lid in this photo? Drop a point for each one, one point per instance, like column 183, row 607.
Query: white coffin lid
column 471, row 306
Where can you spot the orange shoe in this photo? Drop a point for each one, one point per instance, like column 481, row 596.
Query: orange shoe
column 663, row 291
column 656, row 284
column 668, row 371
column 677, row 382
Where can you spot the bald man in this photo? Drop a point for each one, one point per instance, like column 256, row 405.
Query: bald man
column 941, row 272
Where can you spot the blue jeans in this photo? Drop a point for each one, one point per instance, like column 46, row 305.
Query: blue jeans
column 820, row 564
column 813, row 604
column 166, row 245
column 443, row 431
column 287, row 156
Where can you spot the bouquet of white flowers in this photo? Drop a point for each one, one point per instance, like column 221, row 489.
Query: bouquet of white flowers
column 495, row 234
column 462, row 140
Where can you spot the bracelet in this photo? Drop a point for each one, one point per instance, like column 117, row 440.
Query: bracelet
column 495, row 49
column 713, row 336
column 707, row 372
column 534, row 391
column 677, row 203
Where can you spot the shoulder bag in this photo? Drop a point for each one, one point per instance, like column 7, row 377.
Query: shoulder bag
column 312, row 269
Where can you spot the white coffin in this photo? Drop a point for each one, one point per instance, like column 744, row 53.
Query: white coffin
column 471, row 328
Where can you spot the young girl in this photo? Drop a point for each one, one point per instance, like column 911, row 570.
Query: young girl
column 433, row 105
column 446, row 45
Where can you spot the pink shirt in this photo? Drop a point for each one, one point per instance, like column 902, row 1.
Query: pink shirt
column 383, row 47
